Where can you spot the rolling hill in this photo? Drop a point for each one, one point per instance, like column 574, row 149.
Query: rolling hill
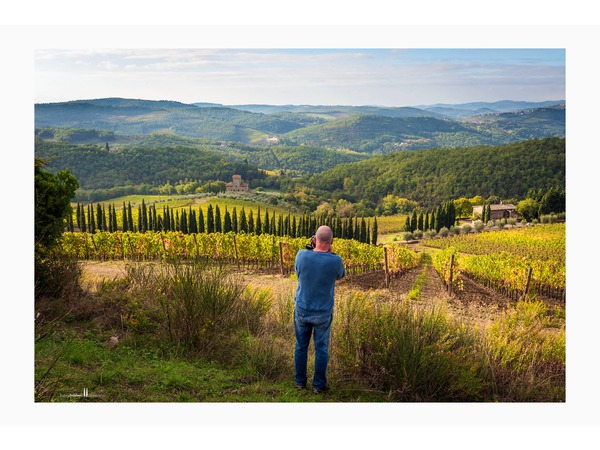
column 369, row 129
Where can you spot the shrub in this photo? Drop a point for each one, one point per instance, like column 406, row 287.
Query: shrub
column 527, row 352
column 466, row 228
column 414, row 353
column 418, row 234
column 407, row 236
column 479, row 225
column 444, row 232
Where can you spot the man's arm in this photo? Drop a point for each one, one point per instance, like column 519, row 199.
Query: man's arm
column 342, row 271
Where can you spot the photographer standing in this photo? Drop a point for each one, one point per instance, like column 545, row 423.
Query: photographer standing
column 318, row 270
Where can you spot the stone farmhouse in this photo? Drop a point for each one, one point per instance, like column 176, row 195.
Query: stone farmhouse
column 237, row 185
column 501, row 211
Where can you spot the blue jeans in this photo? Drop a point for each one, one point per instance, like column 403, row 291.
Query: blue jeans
column 304, row 325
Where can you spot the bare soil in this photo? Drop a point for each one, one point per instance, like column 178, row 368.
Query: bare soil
column 474, row 304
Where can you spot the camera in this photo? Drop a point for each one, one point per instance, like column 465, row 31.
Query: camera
column 312, row 244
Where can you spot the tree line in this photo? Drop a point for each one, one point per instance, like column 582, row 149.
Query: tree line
column 92, row 218
column 435, row 219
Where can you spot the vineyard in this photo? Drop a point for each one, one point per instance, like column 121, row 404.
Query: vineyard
column 249, row 250
column 515, row 262
column 398, row 336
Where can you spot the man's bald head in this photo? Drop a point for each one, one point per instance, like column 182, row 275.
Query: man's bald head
column 324, row 235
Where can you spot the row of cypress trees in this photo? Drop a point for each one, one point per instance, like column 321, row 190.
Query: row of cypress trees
column 442, row 216
column 90, row 218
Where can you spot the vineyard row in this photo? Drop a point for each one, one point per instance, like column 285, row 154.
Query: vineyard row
column 251, row 250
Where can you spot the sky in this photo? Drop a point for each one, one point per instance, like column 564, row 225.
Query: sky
column 315, row 76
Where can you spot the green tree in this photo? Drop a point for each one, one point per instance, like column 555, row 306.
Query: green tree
column 528, row 208
column 374, row 232
column 218, row 223
column 250, row 222
column 201, row 226
column 258, row 229
column 227, row 222
column 78, row 216
column 130, row 217
column 210, row 219
column 234, row 220
column 243, row 222
column 52, row 206
column 100, row 216
column 267, row 225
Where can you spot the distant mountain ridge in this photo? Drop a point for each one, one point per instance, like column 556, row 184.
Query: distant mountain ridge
column 370, row 129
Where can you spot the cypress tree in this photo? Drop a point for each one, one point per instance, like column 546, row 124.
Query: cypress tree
column 234, row 220
column 144, row 221
column 172, row 223
column 258, row 229
column 243, row 222
column 167, row 219
column 183, row 224
column 99, row 217
column 368, row 237
column 280, row 228
column 150, row 218
column 267, row 226
column 363, row 231
column 124, row 218
column 154, row 218
column 210, row 219
column 104, row 219
column 201, row 227
column 438, row 219
column 130, row 217
column 78, row 216
column 70, row 222
column 110, row 218
column 420, row 221
column 413, row 221
column 193, row 221
column 83, row 224
column 218, row 225
column 374, row 232
column 227, row 221
column 140, row 225
column 114, row 218
column 426, row 222
column 250, row 222
column 407, row 224
column 286, row 226
column 91, row 219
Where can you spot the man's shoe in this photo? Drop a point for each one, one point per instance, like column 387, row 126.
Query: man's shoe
column 320, row 390
column 300, row 386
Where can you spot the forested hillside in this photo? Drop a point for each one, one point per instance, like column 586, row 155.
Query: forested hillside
column 369, row 129
column 434, row 175
column 98, row 168
column 144, row 117
column 378, row 134
column 159, row 158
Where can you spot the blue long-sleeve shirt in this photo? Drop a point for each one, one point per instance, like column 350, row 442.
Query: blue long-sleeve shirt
column 317, row 273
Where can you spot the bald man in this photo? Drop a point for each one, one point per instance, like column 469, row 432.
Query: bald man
column 317, row 271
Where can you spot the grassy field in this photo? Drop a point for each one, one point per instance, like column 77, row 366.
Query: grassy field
column 180, row 333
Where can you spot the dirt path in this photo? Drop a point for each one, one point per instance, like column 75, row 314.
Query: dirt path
column 474, row 304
